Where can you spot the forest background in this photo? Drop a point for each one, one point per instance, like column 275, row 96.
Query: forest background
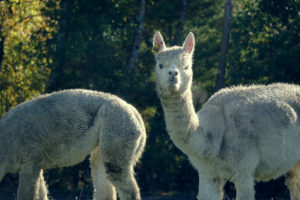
column 105, row 45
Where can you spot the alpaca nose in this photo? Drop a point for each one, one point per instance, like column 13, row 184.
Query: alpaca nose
column 173, row 72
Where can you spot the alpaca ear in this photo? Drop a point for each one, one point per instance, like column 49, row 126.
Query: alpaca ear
column 189, row 43
column 158, row 43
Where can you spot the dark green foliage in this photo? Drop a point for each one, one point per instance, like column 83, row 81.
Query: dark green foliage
column 265, row 43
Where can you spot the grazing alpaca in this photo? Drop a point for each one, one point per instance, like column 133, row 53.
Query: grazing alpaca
column 241, row 134
column 61, row 129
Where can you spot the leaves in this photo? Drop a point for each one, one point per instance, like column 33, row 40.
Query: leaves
column 25, row 62
column 264, row 44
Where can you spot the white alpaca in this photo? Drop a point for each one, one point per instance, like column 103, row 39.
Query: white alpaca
column 61, row 129
column 241, row 134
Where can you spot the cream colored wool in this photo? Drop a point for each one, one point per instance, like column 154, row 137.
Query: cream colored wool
column 242, row 134
column 61, row 129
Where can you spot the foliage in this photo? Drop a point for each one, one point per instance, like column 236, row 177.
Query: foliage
column 25, row 64
column 265, row 43
column 53, row 45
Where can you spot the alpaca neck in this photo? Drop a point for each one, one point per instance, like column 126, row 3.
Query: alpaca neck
column 184, row 128
column 180, row 116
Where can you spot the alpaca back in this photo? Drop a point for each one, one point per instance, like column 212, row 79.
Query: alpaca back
column 277, row 104
column 273, row 92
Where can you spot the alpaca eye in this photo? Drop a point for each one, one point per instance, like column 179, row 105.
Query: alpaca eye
column 161, row 66
column 186, row 67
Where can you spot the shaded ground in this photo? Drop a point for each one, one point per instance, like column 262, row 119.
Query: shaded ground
column 10, row 197
column 273, row 190
column 89, row 197
column 144, row 197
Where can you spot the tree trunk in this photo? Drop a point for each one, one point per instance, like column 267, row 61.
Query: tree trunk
column 132, row 62
column 2, row 38
column 1, row 59
column 220, row 83
column 180, row 25
column 53, row 81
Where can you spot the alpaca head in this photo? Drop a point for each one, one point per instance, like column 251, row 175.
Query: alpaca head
column 173, row 66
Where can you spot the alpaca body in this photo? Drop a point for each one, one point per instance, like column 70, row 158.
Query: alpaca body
column 61, row 129
column 241, row 134
column 263, row 120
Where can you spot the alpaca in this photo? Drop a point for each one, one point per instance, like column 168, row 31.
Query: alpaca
column 241, row 134
column 61, row 129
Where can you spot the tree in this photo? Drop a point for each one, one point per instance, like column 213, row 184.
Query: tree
column 2, row 39
column 220, row 83
column 24, row 61
column 181, row 21
column 137, row 40
column 265, row 43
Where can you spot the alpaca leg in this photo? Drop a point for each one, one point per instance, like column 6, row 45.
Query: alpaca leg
column 123, row 179
column 103, row 189
column 120, row 143
column 118, row 162
column 244, row 188
column 28, row 182
column 42, row 187
column 210, row 189
column 293, row 182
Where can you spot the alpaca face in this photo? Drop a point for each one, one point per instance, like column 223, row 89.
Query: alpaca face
column 173, row 66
